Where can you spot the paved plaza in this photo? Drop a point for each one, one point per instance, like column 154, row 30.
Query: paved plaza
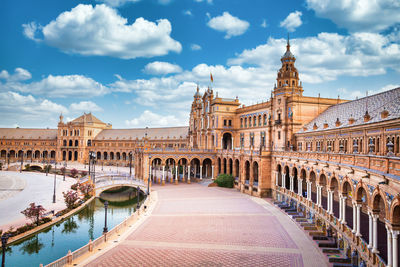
column 195, row 225
column 18, row 190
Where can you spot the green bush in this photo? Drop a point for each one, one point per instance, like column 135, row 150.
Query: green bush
column 225, row 180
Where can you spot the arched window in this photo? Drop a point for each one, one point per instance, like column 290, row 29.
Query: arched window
column 70, row 142
column 259, row 120
column 65, row 143
column 265, row 119
column 76, row 142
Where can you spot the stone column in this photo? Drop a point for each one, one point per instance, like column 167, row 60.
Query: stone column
column 300, row 187
column 394, row 247
column 344, row 210
column 201, row 172
column 309, row 191
column 370, row 230
column 163, row 175
column 375, row 233
column 188, row 181
column 320, row 195
column 340, row 207
column 212, row 172
column 232, row 143
column 176, row 174
column 276, row 178
column 328, row 205
column 331, row 202
column 317, row 194
column 291, row 186
column 284, row 181
column 358, row 219
column 389, row 246
column 354, row 218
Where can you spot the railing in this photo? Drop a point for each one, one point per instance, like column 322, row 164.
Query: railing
column 90, row 247
column 367, row 162
column 360, row 244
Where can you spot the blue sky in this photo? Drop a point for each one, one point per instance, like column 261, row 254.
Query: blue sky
column 136, row 63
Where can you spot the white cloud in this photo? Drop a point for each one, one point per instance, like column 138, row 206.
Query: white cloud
column 264, row 24
column 55, row 86
column 188, row 13
column 150, row 119
column 205, row 1
column 30, row 30
column 85, row 106
column 20, row 74
column 292, row 21
column 195, row 47
column 358, row 15
column 329, row 55
column 233, row 26
column 101, row 31
column 27, row 110
column 157, row 68
column 117, row 3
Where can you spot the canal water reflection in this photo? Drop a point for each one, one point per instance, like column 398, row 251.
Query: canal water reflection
column 71, row 234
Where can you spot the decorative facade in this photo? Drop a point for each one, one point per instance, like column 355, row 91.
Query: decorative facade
column 337, row 160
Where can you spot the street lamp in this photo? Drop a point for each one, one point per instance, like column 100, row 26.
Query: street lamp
column 138, row 197
column 55, row 175
column 65, row 170
column 148, row 180
column 105, row 229
column 130, row 164
column 22, row 160
column 4, row 239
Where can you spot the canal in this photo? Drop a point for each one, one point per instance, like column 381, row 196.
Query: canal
column 71, row 234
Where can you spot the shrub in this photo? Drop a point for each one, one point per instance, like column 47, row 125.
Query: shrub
column 83, row 173
column 47, row 168
column 75, row 186
column 70, row 198
column 27, row 167
column 74, row 172
column 225, row 180
column 86, row 189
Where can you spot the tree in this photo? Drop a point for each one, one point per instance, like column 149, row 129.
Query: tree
column 70, row 198
column 34, row 212
column 74, row 172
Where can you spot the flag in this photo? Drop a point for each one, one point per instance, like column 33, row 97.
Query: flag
column 211, row 77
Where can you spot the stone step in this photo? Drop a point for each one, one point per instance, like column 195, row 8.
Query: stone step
column 316, row 233
column 331, row 250
column 342, row 265
column 307, row 224
column 320, row 238
column 339, row 260
column 324, row 244
column 301, row 219
column 294, row 213
column 310, row 228
column 299, row 216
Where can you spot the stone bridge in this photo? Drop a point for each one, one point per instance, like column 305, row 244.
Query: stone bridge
column 108, row 181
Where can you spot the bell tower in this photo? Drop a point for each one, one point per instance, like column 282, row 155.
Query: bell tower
column 288, row 81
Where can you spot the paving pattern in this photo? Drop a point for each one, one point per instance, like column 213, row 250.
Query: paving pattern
column 194, row 225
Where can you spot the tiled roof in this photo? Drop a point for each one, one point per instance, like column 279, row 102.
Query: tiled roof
column 17, row 133
column 88, row 118
column 152, row 133
column 356, row 109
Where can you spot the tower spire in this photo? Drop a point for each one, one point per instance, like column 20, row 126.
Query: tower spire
column 288, row 43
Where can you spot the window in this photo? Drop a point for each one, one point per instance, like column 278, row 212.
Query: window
column 252, row 139
column 259, row 120
column 249, row 121
column 254, row 121
column 224, row 122
column 89, row 142
column 262, row 139
column 265, row 119
column 241, row 139
column 230, row 122
column 279, row 135
column 241, row 122
column 245, row 122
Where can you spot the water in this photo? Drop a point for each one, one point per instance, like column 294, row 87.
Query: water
column 71, row 234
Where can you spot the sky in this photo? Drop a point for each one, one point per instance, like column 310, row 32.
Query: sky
column 137, row 63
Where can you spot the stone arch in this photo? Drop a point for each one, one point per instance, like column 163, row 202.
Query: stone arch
column 207, row 167
column 247, row 172
column 279, row 171
column 227, row 140
column 195, row 167
column 347, row 192
column 295, row 180
column 237, row 168
column 324, row 198
column 255, row 172
column 380, row 208
column 118, row 156
column 286, row 177
column 98, row 155
column 219, row 166
column 230, row 165
column 334, row 186
column 224, row 165
column 395, row 214
column 105, row 155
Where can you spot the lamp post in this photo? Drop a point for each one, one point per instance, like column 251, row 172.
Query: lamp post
column 130, row 164
column 38, row 207
column 4, row 239
column 8, row 159
column 148, row 180
column 138, row 199
column 65, row 170
column 55, row 176
column 105, row 229
column 22, row 160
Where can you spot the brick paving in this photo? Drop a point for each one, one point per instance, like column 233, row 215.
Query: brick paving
column 193, row 225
